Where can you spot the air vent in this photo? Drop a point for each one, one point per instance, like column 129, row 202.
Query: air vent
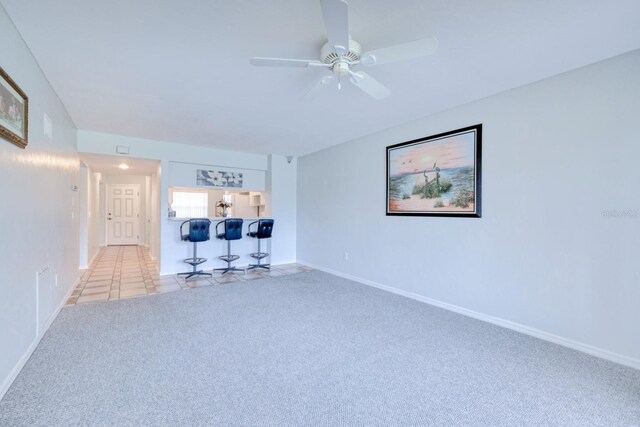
column 331, row 58
column 352, row 56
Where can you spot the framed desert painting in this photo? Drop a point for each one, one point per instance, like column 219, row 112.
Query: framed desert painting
column 436, row 176
column 14, row 111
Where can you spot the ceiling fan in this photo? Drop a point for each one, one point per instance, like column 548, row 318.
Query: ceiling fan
column 341, row 54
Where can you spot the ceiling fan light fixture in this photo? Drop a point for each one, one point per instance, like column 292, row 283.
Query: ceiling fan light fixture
column 341, row 68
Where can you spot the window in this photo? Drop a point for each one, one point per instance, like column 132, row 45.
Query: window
column 190, row 205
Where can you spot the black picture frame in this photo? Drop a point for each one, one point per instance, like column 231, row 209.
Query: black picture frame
column 438, row 175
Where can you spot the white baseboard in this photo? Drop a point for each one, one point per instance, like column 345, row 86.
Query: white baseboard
column 534, row 332
column 284, row 262
column 93, row 258
column 4, row 387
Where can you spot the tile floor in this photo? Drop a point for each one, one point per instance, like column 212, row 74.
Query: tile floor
column 121, row 272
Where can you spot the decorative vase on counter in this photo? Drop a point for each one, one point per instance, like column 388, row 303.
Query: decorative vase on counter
column 224, row 213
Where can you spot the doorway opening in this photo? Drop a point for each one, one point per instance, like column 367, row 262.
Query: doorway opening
column 122, row 204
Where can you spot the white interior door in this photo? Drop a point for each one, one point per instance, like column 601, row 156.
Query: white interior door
column 123, row 214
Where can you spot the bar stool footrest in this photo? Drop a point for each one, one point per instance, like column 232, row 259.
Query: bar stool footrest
column 259, row 255
column 229, row 258
column 195, row 261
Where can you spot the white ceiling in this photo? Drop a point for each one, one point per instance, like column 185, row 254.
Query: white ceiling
column 179, row 70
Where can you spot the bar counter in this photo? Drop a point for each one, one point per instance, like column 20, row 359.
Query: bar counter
column 178, row 250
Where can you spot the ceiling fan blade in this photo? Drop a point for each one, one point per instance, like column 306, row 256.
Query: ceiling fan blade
column 401, row 52
column 283, row 62
column 369, row 85
column 336, row 21
column 318, row 88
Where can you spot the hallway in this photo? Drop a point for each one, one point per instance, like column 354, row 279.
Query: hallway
column 122, row 272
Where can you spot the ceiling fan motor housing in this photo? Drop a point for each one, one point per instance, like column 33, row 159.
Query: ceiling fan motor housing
column 329, row 56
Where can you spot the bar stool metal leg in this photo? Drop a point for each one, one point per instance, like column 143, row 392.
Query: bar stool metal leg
column 228, row 258
column 259, row 256
column 194, row 262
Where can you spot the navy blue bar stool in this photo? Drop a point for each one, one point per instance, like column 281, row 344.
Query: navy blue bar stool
column 232, row 231
column 262, row 231
column 198, row 232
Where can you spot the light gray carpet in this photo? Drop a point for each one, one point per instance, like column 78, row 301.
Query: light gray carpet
column 305, row 349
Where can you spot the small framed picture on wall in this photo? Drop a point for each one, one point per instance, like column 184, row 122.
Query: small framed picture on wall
column 14, row 111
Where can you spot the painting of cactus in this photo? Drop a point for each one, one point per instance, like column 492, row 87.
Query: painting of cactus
column 436, row 176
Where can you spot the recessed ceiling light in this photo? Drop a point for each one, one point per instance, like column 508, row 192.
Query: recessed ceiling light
column 123, row 166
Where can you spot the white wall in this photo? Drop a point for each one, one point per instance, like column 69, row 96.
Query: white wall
column 185, row 175
column 83, row 215
column 282, row 190
column 147, row 220
column 556, row 154
column 93, row 215
column 88, row 220
column 39, row 219
column 154, row 218
column 105, row 143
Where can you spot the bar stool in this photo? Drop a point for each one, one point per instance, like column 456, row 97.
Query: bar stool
column 198, row 232
column 262, row 231
column 232, row 231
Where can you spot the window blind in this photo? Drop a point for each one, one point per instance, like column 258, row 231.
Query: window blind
column 190, row 205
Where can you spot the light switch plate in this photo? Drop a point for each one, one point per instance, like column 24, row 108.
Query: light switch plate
column 48, row 126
